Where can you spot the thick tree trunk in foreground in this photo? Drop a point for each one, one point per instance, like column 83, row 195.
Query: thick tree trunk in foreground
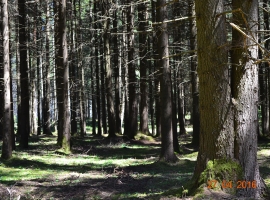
column 167, row 151
column 7, row 134
column 216, row 137
column 245, row 89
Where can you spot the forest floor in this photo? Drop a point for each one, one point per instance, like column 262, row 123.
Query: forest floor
column 99, row 168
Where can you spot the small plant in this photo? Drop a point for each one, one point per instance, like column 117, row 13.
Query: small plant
column 184, row 193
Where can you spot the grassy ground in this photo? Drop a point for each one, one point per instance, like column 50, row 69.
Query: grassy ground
column 100, row 168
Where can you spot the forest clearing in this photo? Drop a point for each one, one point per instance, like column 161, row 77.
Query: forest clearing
column 100, row 168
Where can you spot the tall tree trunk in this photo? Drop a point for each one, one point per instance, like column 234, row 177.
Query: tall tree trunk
column 167, row 150
column 116, row 75
column 103, row 97
column 181, row 105
column 73, row 71
column 216, row 139
column 263, row 76
column 82, row 82
column 142, row 15
column 24, row 123
column 1, row 81
column 63, row 72
column 39, row 60
column 133, row 104
column 245, row 91
column 59, row 73
column 157, row 76
column 109, row 92
column 194, row 77
column 46, row 79
column 99, row 120
column 7, row 132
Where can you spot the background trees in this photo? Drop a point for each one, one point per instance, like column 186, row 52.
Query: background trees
column 132, row 66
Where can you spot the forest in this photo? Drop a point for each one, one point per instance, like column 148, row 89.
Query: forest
column 134, row 99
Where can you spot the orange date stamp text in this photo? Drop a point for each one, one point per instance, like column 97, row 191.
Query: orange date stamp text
column 211, row 184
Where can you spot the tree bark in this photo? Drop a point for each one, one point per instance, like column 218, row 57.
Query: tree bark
column 24, row 123
column 7, row 132
column 99, row 120
column 194, row 77
column 142, row 17
column 167, row 150
column 116, row 75
column 109, row 91
column 216, row 119
column 82, row 82
column 245, row 89
column 46, row 79
column 63, row 72
column 133, row 104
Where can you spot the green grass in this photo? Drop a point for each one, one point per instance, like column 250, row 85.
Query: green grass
column 100, row 168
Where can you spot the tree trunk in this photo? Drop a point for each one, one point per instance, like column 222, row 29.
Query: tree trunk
column 263, row 76
column 194, row 78
column 39, row 60
column 167, row 150
column 46, row 79
column 24, row 123
column 245, row 91
column 7, row 132
column 109, row 91
column 81, row 75
column 181, row 105
column 157, row 76
column 216, row 139
column 63, row 72
column 99, row 120
column 142, row 15
column 117, row 78
column 133, row 104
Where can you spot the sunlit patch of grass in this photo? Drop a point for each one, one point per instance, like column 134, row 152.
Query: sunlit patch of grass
column 9, row 174
column 129, row 196
column 191, row 156
column 264, row 152
column 142, row 136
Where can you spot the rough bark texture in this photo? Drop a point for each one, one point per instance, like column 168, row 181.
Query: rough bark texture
column 157, row 76
column 109, row 88
column 133, row 104
column 1, row 82
column 194, row 78
column 59, row 73
column 24, row 123
column 81, row 75
column 99, row 121
column 7, row 134
column 216, row 131
column 167, row 150
column 46, row 80
column 116, row 76
column 142, row 15
column 73, row 72
column 263, row 76
column 63, row 68
column 245, row 89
